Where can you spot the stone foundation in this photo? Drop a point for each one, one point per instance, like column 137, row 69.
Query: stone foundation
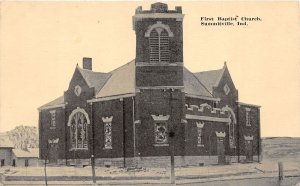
column 234, row 159
column 154, row 161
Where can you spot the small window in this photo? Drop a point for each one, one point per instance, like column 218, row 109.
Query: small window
column 200, row 142
column 248, row 119
column 161, row 133
column 53, row 119
column 107, row 132
column 26, row 163
column 214, row 104
column 200, row 126
column 107, row 136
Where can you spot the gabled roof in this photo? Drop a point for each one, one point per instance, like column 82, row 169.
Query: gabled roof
column 210, row 78
column 193, row 86
column 30, row 153
column 121, row 81
column 58, row 101
column 94, row 79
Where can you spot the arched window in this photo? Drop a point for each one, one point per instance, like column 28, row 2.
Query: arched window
column 159, row 35
column 78, row 123
column 159, row 45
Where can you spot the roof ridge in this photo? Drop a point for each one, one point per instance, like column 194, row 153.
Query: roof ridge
column 207, row 71
column 91, row 71
column 82, row 74
column 122, row 66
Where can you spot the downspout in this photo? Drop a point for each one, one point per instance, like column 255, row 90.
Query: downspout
column 93, row 130
column 124, row 132
column 133, row 124
column 65, row 128
column 238, row 131
column 93, row 146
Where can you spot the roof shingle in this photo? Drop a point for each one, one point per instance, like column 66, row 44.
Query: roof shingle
column 193, row 86
column 121, row 81
column 209, row 78
column 94, row 79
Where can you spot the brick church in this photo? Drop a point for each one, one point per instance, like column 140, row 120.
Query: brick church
column 133, row 115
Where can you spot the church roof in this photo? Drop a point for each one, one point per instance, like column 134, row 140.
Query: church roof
column 58, row 101
column 193, row 86
column 94, row 79
column 210, row 78
column 122, row 81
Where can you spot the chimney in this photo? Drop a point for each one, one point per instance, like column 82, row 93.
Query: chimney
column 87, row 63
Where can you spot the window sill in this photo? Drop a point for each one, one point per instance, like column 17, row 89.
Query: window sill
column 200, row 145
column 76, row 149
column 107, row 148
column 161, row 145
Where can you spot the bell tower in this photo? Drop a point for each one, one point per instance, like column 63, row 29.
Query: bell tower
column 159, row 80
column 159, row 46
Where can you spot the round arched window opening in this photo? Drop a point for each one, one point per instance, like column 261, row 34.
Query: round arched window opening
column 158, row 35
column 78, row 123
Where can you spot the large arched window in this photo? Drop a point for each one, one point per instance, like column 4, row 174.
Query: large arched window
column 159, row 35
column 159, row 45
column 231, row 125
column 78, row 123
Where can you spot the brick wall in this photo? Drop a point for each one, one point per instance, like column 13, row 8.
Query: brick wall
column 251, row 130
column 159, row 102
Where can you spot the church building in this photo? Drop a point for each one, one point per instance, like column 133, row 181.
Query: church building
column 138, row 113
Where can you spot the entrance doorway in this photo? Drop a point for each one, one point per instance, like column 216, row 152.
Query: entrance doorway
column 249, row 150
column 53, row 155
column 2, row 162
column 221, row 150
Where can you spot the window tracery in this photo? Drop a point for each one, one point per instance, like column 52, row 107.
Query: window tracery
column 78, row 123
column 107, row 132
column 161, row 133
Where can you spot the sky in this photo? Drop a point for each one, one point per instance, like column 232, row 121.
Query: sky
column 41, row 43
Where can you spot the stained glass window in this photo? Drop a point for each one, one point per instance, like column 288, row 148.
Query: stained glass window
column 107, row 132
column 199, row 136
column 161, row 131
column 52, row 121
column 248, row 122
column 79, row 131
column 231, row 132
column 200, row 126
column 107, row 136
